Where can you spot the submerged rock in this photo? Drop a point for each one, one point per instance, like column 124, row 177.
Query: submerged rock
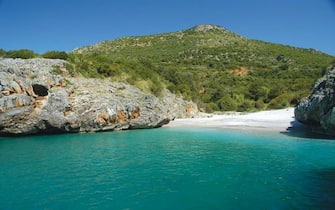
column 34, row 100
column 318, row 110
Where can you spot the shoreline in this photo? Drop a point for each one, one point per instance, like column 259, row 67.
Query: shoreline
column 271, row 120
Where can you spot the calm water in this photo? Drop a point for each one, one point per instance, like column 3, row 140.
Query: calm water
column 167, row 169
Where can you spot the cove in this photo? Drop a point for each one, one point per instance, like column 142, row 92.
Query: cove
column 167, row 168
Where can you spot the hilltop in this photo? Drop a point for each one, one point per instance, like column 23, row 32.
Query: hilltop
column 216, row 68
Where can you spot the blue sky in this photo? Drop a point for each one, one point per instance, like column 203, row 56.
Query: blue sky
column 43, row 25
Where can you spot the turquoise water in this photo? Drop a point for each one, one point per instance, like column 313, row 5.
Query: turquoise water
column 167, row 169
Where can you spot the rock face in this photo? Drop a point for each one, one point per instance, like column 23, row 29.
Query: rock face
column 318, row 110
column 35, row 99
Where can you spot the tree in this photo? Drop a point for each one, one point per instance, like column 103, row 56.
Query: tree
column 257, row 91
column 227, row 104
column 104, row 69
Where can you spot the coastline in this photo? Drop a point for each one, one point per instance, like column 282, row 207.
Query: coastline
column 271, row 120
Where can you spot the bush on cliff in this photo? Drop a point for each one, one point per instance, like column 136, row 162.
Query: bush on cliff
column 2, row 52
column 23, row 53
column 55, row 55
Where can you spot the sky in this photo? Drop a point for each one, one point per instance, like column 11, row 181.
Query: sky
column 63, row 25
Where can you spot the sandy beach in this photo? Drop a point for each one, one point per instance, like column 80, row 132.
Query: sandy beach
column 278, row 120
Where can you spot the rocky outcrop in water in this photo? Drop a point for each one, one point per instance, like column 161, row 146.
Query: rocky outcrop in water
column 35, row 98
column 318, row 110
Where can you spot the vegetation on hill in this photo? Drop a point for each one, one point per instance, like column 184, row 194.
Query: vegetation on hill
column 55, row 55
column 216, row 68
column 22, row 53
column 26, row 54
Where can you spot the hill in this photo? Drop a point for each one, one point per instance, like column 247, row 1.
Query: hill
column 216, row 68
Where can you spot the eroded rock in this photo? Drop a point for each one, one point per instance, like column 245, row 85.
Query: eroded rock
column 33, row 101
column 318, row 110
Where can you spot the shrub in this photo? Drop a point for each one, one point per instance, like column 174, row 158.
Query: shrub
column 280, row 102
column 227, row 104
column 55, row 55
column 56, row 70
column 70, row 69
column 246, row 105
column 2, row 52
column 211, row 107
column 257, row 91
column 259, row 104
column 157, row 89
column 156, row 86
column 23, row 53
column 104, row 70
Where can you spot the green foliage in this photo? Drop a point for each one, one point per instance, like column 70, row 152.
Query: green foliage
column 2, row 52
column 23, row 53
column 218, row 69
column 56, row 70
column 55, row 55
column 281, row 101
column 103, row 65
column 246, row 105
column 156, row 87
column 258, row 91
column 259, row 104
column 69, row 67
column 227, row 104
column 211, row 107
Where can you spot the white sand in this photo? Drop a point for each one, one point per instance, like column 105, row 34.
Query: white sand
column 278, row 120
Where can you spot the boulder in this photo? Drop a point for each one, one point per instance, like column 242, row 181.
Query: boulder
column 318, row 109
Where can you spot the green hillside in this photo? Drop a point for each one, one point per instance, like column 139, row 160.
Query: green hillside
column 216, row 68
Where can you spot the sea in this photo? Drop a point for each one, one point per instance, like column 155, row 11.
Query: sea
column 168, row 168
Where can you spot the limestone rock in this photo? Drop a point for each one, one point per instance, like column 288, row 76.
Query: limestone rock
column 318, row 110
column 33, row 100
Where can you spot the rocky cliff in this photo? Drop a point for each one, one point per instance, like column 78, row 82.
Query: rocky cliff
column 318, row 110
column 36, row 98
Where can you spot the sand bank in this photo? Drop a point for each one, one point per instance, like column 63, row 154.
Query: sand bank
column 278, row 120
